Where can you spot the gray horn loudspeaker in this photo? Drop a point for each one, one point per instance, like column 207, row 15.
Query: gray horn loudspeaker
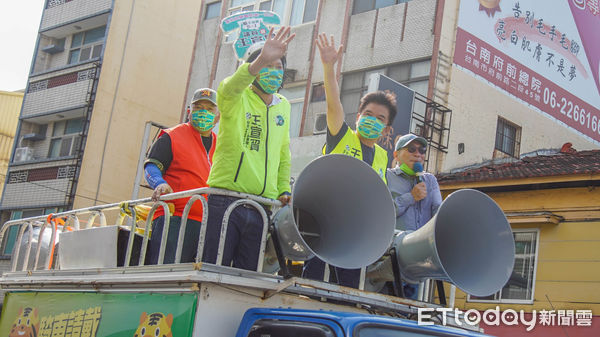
column 468, row 243
column 341, row 212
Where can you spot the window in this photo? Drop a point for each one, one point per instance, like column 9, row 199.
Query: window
column 508, row 138
column 66, row 138
column 303, row 11
column 87, row 45
column 520, row 286
column 213, row 10
column 291, row 12
column 237, row 6
column 295, row 96
column 414, row 75
column 10, row 237
column 361, row 6
column 318, row 93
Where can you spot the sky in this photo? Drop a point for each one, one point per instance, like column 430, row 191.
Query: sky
column 19, row 24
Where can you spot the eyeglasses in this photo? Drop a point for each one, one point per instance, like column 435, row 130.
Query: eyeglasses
column 411, row 148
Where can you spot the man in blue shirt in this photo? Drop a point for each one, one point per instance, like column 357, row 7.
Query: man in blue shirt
column 417, row 197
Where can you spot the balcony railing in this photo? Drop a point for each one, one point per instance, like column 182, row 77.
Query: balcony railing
column 59, row 92
column 36, row 260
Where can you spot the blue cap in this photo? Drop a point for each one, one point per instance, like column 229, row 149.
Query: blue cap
column 407, row 138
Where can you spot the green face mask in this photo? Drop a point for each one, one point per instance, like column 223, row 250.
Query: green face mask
column 407, row 169
column 202, row 120
column 270, row 80
column 370, row 127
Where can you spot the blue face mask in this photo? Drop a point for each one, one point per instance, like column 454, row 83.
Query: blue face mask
column 370, row 127
column 202, row 120
column 270, row 79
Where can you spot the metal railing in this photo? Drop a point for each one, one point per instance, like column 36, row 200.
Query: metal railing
column 45, row 221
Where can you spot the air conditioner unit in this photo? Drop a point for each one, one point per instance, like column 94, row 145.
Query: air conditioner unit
column 23, row 154
column 34, row 136
column 289, row 75
column 320, row 123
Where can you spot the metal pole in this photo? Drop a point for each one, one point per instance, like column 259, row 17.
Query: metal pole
column 225, row 224
column 452, row 296
column 131, row 237
column 183, row 226
column 140, row 165
column 149, row 220
column 363, row 276
column 202, row 234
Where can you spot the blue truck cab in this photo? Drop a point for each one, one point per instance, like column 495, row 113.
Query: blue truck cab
column 266, row 322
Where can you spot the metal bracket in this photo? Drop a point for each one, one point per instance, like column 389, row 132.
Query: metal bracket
column 283, row 269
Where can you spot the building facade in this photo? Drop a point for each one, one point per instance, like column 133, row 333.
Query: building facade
column 58, row 101
column 466, row 117
column 158, row 56
column 393, row 38
column 104, row 70
column 10, row 106
column 71, row 106
column 552, row 202
column 516, row 75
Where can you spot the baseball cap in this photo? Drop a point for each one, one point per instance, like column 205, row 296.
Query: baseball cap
column 406, row 139
column 204, row 94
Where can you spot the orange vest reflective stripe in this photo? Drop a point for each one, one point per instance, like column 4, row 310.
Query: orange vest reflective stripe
column 189, row 168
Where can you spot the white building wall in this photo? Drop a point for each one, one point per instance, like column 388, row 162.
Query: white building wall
column 386, row 35
column 205, row 47
column 476, row 107
column 299, row 50
column 304, row 150
column 73, row 10
column 227, row 63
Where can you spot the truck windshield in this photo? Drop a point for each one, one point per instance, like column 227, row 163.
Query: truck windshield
column 280, row 328
column 389, row 331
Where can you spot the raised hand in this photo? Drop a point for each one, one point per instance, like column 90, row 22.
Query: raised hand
column 329, row 55
column 275, row 47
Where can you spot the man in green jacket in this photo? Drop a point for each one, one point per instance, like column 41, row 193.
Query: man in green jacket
column 253, row 154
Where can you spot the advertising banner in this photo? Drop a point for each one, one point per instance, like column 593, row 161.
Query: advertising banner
column 37, row 314
column 544, row 53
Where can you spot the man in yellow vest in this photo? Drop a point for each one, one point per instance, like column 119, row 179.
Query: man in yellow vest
column 376, row 113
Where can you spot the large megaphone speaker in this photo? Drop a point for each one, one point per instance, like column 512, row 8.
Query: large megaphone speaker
column 468, row 243
column 341, row 212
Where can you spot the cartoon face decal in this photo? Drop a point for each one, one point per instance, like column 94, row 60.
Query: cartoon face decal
column 27, row 323
column 154, row 325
